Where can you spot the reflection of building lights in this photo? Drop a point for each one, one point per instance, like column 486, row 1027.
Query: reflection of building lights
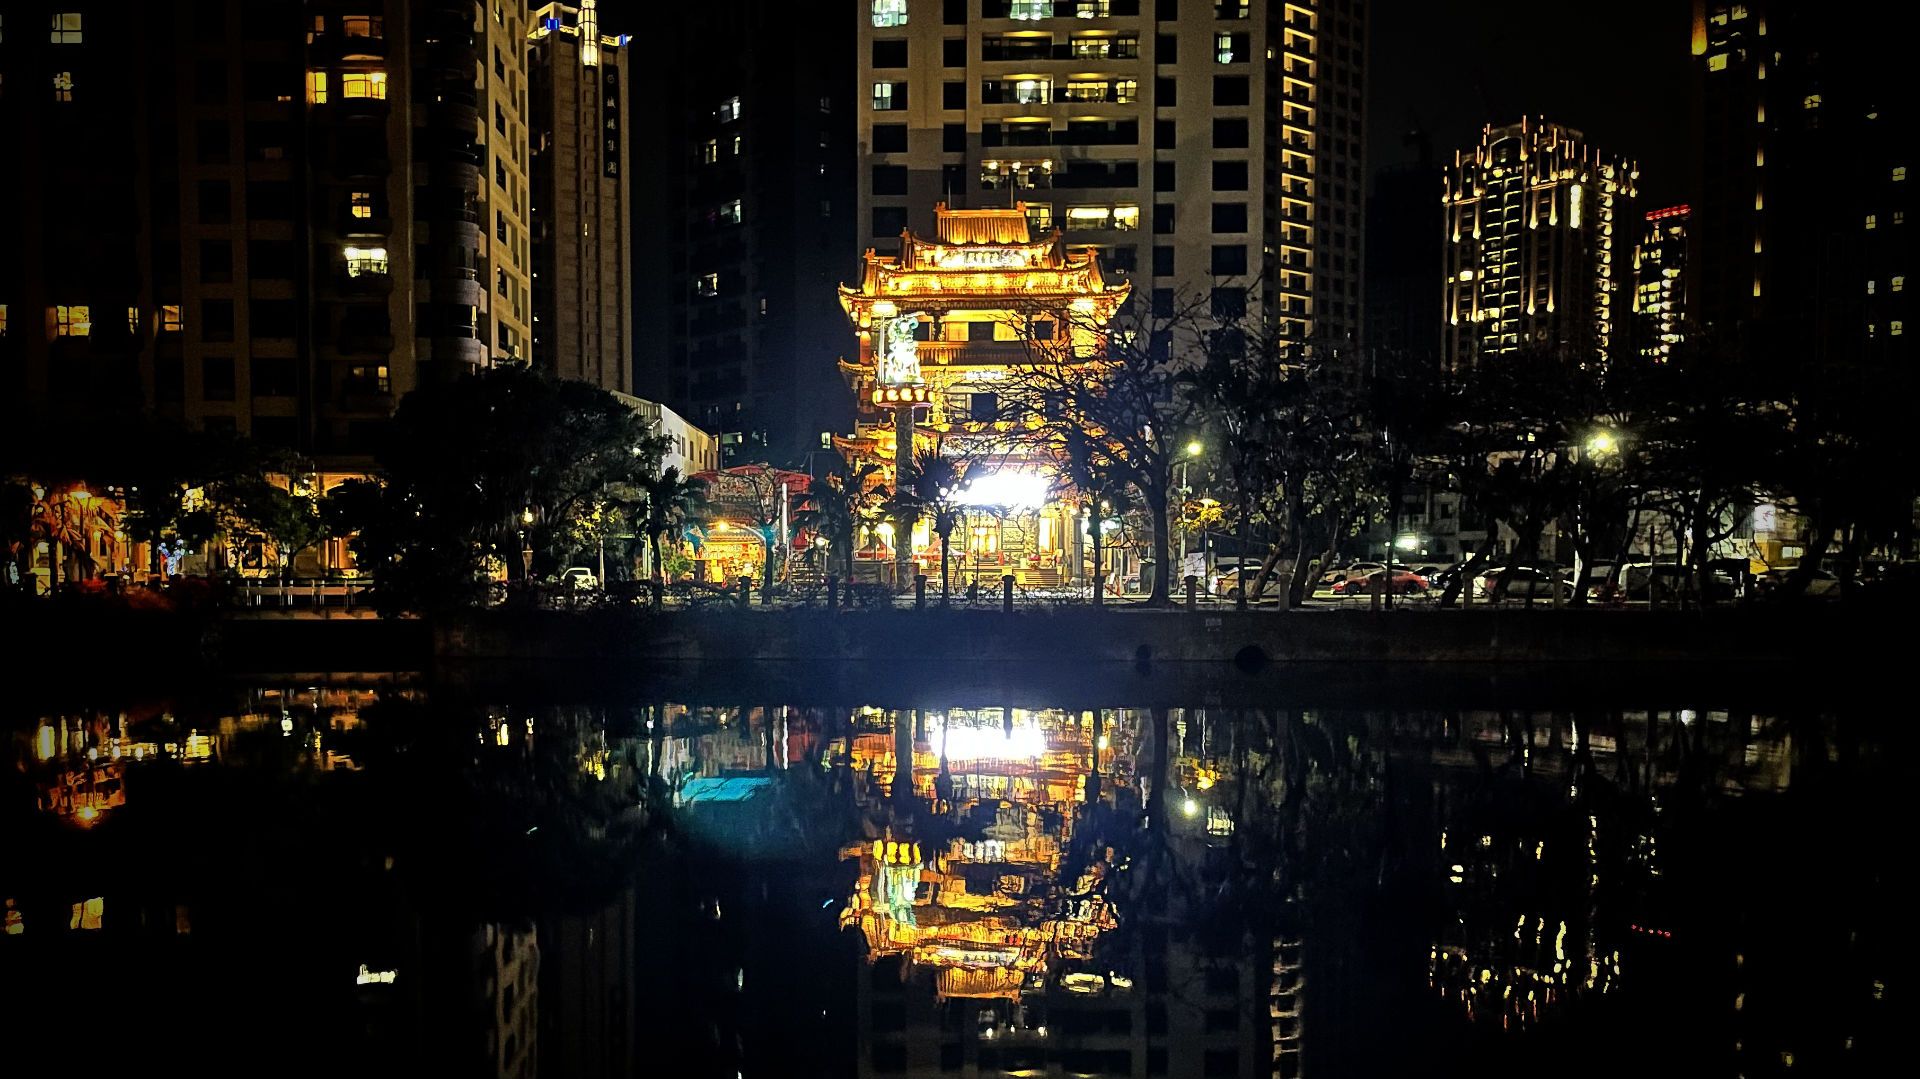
column 375, row 977
column 993, row 743
column 43, row 742
column 1105, row 743
column 87, row 814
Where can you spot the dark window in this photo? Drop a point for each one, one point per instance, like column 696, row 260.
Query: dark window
column 269, row 259
column 1163, row 261
column 953, row 138
column 216, row 202
column 169, row 378
column 1163, row 134
column 955, row 13
column 216, row 320
column 953, row 95
column 1166, row 92
column 1156, row 1062
column 1165, row 49
column 889, row 220
column 1221, row 1062
column 979, row 331
column 953, row 52
column 953, row 180
column 1229, row 9
column 271, row 376
column 210, row 139
column 889, row 179
column 1229, row 303
column 216, row 261
column 1230, row 133
column 1168, row 10
column 1229, row 175
column 890, row 53
column 889, row 1058
column 1163, row 303
column 270, row 199
column 1229, row 217
column 1163, row 173
column 216, row 378
column 267, row 140
column 1230, row 90
column 269, row 82
column 1222, row 1020
column 889, row 138
column 210, row 82
column 270, row 318
column 1163, row 217
column 1126, row 259
column 1229, row 260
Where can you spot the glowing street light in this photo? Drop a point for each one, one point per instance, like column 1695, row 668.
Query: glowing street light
column 1408, row 542
column 1601, row 443
column 1190, row 807
column 1195, row 449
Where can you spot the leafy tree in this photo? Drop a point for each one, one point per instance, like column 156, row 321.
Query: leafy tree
column 837, row 505
column 933, row 487
column 673, row 504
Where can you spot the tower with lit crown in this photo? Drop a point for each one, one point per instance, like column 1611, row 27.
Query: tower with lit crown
column 1535, row 247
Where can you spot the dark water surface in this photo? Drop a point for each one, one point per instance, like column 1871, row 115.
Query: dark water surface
column 379, row 879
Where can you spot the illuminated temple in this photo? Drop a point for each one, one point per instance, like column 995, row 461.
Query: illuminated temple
column 942, row 326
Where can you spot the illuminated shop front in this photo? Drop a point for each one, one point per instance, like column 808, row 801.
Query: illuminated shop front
column 943, row 326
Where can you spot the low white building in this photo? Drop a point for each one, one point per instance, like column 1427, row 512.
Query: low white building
column 689, row 448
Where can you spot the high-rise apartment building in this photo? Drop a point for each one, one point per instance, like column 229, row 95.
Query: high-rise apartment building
column 582, row 229
column 1800, row 235
column 280, row 217
column 1208, row 149
column 1660, row 284
column 1536, row 254
column 745, row 221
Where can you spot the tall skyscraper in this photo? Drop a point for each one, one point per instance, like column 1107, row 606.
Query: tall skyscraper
column 582, row 229
column 1536, row 249
column 1207, row 149
column 280, row 218
column 744, row 221
column 1800, row 235
column 1660, row 311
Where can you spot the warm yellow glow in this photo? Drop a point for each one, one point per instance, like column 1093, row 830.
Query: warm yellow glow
column 316, row 88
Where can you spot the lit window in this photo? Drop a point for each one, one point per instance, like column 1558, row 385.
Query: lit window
column 1223, row 48
column 1899, row 173
column 1896, row 328
column 363, row 25
column 1870, row 288
column 316, row 28
column 710, row 153
column 362, row 204
column 372, row 378
column 889, row 13
column 736, row 146
column 66, row 28
column 368, row 84
column 1812, row 102
column 316, row 88
column 169, row 318
column 1899, row 217
column 1038, row 91
column 1898, row 283
column 1717, row 62
column 1873, row 221
column 1126, row 91
column 707, row 284
column 1091, row 9
column 1039, row 216
column 72, row 321
column 885, row 94
column 1089, row 217
column 1031, row 9
column 366, row 260
column 87, row 915
column 730, row 212
column 728, row 110
column 63, row 86
column 1126, row 217
column 133, row 320
column 3, row 320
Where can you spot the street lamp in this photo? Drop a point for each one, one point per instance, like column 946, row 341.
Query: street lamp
column 1194, row 448
column 1602, row 443
column 526, row 547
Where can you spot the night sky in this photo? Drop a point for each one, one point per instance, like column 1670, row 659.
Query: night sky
column 1617, row 72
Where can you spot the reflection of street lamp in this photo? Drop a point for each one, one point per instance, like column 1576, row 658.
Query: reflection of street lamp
column 526, row 547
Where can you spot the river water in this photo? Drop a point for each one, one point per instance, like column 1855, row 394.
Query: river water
column 354, row 878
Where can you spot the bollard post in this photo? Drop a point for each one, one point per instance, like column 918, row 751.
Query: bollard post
column 1006, row 593
column 1099, row 589
column 919, row 591
column 833, row 591
column 1374, row 594
column 1193, row 592
column 746, row 591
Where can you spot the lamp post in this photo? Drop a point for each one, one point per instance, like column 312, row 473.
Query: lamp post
column 1192, row 450
column 526, row 548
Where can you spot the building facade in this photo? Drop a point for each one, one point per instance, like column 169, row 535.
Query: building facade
column 282, row 218
column 1660, row 312
column 1532, row 261
column 582, row 225
column 1205, row 149
column 1800, row 238
column 745, row 221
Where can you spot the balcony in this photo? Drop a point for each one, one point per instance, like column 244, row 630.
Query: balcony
column 332, row 48
column 456, row 286
column 449, row 349
column 365, row 227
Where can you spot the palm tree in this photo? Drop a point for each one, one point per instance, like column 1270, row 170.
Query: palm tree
column 836, row 506
column 673, row 502
column 933, row 484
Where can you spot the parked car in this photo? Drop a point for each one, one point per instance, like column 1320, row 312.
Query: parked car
column 580, row 577
column 1405, row 583
column 1521, row 583
column 1823, row 585
column 1667, row 582
column 1227, row 585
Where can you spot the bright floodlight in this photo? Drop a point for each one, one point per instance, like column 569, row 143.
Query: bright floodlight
column 1010, row 490
column 1190, row 807
column 1407, row 542
column 1601, row 442
column 1026, row 742
column 1195, row 449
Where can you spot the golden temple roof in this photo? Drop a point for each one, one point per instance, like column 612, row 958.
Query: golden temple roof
column 995, row 226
